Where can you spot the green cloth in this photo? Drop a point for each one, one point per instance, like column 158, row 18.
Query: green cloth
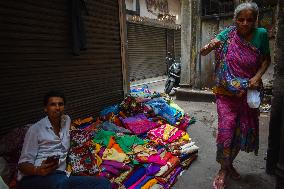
column 175, row 106
column 127, row 141
column 103, row 137
column 260, row 39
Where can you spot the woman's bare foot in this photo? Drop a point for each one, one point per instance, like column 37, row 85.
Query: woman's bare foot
column 220, row 179
column 234, row 173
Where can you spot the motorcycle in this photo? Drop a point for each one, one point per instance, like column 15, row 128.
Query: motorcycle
column 173, row 76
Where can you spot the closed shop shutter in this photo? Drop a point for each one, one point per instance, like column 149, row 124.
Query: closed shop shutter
column 177, row 41
column 146, row 51
column 36, row 56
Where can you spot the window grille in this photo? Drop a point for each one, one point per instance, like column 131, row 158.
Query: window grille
column 217, row 7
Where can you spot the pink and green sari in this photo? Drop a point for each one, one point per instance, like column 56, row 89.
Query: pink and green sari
column 236, row 62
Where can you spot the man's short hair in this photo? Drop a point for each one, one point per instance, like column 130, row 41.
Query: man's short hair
column 53, row 93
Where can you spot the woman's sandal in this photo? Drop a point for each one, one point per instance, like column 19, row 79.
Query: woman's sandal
column 220, row 180
column 234, row 173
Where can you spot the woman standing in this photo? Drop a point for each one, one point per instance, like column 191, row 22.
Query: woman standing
column 242, row 57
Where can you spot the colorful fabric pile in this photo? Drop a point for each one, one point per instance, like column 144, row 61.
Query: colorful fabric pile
column 140, row 143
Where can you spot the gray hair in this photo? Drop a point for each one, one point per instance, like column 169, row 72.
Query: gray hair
column 246, row 6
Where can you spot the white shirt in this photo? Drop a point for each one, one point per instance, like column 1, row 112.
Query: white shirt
column 41, row 142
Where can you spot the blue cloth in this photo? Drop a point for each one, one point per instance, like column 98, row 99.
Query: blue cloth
column 137, row 174
column 59, row 180
column 110, row 109
column 143, row 182
column 163, row 109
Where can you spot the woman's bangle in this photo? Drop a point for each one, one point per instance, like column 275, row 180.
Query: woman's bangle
column 209, row 45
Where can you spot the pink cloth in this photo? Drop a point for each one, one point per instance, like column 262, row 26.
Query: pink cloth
column 234, row 112
column 139, row 124
column 152, row 159
column 242, row 57
column 165, row 134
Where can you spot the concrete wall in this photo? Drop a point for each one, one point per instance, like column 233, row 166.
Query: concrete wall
column 130, row 5
column 174, row 9
column 144, row 12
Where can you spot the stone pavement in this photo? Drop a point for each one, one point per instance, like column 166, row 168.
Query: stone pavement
column 202, row 171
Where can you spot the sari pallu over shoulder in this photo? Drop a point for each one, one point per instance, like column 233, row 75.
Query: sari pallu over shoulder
column 236, row 61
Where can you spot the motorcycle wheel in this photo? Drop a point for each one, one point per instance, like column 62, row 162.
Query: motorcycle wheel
column 168, row 87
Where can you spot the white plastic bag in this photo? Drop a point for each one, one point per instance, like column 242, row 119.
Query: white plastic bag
column 253, row 98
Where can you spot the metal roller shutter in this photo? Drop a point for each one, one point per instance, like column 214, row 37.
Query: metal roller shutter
column 36, row 56
column 146, row 51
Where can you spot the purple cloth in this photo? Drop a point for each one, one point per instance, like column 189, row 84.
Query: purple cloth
column 110, row 169
column 116, row 164
column 101, row 152
column 238, row 127
column 106, row 175
column 152, row 169
column 173, row 177
column 242, row 57
column 139, row 124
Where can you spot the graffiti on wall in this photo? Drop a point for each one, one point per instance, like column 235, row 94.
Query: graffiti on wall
column 157, row 7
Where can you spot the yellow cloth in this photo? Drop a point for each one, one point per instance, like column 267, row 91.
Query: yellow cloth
column 149, row 184
column 169, row 131
column 185, row 137
column 82, row 121
column 69, row 168
column 122, row 176
column 113, row 154
column 98, row 158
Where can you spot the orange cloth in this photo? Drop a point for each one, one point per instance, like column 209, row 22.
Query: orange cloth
column 149, row 184
column 113, row 144
column 81, row 121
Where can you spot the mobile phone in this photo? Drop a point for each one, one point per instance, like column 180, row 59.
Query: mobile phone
column 51, row 159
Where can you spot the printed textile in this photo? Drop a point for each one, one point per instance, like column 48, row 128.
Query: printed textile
column 236, row 62
column 165, row 134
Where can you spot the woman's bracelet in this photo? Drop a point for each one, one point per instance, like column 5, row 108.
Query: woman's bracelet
column 209, row 45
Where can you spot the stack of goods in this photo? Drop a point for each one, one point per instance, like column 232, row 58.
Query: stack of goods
column 140, row 143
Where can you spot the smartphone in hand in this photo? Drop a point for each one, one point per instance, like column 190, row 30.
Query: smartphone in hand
column 53, row 159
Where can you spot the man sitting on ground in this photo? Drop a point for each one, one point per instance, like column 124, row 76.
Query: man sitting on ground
column 43, row 159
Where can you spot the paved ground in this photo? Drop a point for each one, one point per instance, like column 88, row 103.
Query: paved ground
column 200, row 174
